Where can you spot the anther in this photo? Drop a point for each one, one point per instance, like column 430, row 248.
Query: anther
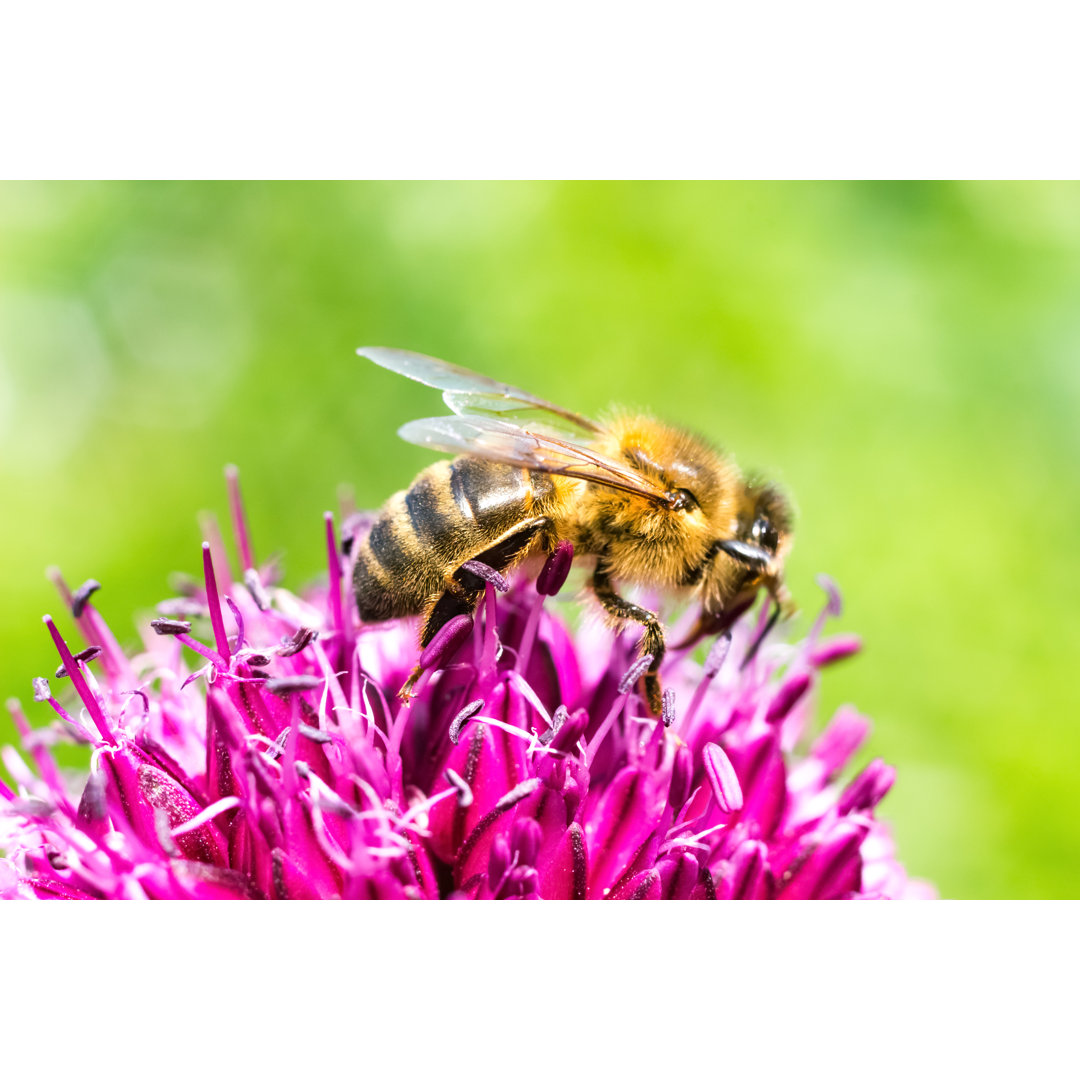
column 636, row 670
column 667, row 709
column 835, row 606
column 84, row 657
column 569, row 733
column 717, row 655
column 81, row 597
column 558, row 718
column 464, row 792
column 299, row 641
column 41, row 689
column 487, row 573
column 293, row 684
column 463, row 717
column 555, row 570
column 722, row 779
column 171, row 627
column 255, row 586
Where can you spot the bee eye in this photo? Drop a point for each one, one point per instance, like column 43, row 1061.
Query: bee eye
column 683, row 500
column 765, row 535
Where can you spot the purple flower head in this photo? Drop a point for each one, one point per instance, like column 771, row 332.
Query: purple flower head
column 257, row 747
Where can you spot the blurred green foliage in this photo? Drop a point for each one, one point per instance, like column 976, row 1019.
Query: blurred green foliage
column 905, row 358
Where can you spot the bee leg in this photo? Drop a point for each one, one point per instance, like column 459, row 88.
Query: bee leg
column 652, row 641
column 464, row 589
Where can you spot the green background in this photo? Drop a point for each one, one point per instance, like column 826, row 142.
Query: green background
column 903, row 357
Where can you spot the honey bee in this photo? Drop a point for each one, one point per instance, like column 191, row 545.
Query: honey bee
column 651, row 504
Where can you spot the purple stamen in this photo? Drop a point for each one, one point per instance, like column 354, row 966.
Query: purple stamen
column 714, row 662
column 81, row 597
column 292, row 684
column 212, row 536
column 558, row 718
column 239, row 619
column 213, row 601
column 487, row 573
column 626, row 684
column 144, row 700
column 634, row 672
column 445, row 642
column 236, row 506
column 717, row 655
column 93, row 706
column 297, row 643
column 334, row 562
column 667, row 708
column 83, row 657
column 464, row 792
column 167, row 627
column 42, row 692
column 567, row 736
column 253, row 584
column 197, row 646
column 463, row 717
column 555, row 570
column 835, row 607
column 722, row 779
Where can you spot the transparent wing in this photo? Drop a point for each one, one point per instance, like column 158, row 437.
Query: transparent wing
column 497, row 440
column 470, row 394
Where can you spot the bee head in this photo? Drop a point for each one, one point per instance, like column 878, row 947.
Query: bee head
column 754, row 557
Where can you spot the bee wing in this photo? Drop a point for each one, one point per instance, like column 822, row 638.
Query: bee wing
column 470, row 394
column 497, row 440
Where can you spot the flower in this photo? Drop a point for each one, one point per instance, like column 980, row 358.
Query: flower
column 284, row 765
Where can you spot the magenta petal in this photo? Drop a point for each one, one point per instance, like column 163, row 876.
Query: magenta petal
column 678, row 876
column 787, row 696
column 565, row 875
column 619, row 824
column 839, row 741
column 744, row 877
column 474, row 852
column 204, row 844
column 831, row 869
column 835, row 648
column 867, row 789
column 644, row 886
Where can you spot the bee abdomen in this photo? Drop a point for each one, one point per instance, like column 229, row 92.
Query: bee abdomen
column 453, row 511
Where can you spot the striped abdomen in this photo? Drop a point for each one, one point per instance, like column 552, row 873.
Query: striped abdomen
column 453, row 512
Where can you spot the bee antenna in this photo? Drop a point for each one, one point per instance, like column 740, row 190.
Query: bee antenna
column 752, row 651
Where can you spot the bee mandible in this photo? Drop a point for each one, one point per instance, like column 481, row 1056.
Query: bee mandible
column 650, row 504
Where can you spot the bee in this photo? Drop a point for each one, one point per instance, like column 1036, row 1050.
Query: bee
column 651, row 504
